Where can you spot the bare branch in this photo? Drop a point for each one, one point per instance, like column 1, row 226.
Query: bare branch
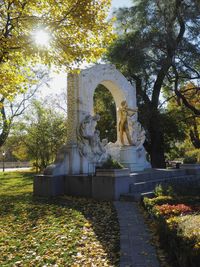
column 167, row 100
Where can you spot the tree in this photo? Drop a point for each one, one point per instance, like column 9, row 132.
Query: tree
column 14, row 147
column 191, row 93
column 189, row 118
column 43, row 133
column 77, row 30
column 104, row 105
column 58, row 101
column 157, row 46
column 12, row 109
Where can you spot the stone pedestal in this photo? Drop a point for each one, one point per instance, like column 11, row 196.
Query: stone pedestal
column 71, row 162
column 132, row 158
column 106, row 186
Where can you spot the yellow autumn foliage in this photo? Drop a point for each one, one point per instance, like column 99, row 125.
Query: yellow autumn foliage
column 79, row 31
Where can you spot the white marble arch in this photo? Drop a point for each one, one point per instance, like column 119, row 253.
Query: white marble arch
column 75, row 165
column 83, row 149
column 81, row 87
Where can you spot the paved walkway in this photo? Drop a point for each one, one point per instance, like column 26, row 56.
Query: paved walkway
column 16, row 169
column 136, row 249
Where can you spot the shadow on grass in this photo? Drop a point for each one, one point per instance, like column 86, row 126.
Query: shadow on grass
column 101, row 215
column 103, row 218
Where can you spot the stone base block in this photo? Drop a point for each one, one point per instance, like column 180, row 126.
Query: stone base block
column 97, row 187
column 48, row 185
column 131, row 158
column 78, row 185
column 109, row 187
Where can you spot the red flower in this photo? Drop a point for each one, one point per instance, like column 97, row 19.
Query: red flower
column 168, row 210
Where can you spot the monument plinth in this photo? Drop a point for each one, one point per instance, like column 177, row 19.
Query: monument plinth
column 133, row 158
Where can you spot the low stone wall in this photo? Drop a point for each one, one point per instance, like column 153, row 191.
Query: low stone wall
column 97, row 187
column 111, row 184
column 48, row 185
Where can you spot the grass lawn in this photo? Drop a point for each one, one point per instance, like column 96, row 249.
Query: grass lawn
column 63, row 231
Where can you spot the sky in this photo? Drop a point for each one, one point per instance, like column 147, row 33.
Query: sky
column 58, row 82
column 121, row 3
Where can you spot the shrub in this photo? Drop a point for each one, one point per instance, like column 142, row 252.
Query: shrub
column 178, row 223
column 183, row 237
column 111, row 164
column 150, row 202
column 171, row 210
column 192, row 159
column 164, row 190
column 189, row 189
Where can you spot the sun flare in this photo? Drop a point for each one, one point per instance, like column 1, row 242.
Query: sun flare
column 42, row 38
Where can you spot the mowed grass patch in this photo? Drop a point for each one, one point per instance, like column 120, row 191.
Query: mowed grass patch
column 63, row 231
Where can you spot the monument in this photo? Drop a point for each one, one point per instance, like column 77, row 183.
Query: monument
column 84, row 150
column 74, row 168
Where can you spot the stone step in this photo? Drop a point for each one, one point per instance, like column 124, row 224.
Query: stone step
column 157, row 174
column 140, row 190
column 136, row 197
column 146, row 186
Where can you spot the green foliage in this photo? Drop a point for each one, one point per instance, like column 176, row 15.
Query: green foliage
column 177, row 224
column 70, row 41
column 104, row 105
column 63, row 232
column 176, row 191
column 111, row 164
column 174, row 129
column 157, row 49
column 181, row 236
column 186, row 119
column 161, row 190
column 150, row 202
column 190, row 159
column 189, row 227
column 191, row 155
column 11, row 109
column 41, row 135
column 190, row 152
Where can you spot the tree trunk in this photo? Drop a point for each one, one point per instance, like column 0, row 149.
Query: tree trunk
column 5, row 127
column 194, row 134
column 156, row 144
column 194, row 137
column 3, row 136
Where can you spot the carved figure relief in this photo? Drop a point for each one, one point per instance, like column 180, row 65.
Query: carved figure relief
column 89, row 143
column 138, row 135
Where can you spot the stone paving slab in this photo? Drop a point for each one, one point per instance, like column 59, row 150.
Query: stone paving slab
column 135, row 247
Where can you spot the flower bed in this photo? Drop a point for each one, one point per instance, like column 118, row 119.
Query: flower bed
column 178, row 225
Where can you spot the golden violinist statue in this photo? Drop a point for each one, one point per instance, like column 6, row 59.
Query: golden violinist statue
column 124, row 113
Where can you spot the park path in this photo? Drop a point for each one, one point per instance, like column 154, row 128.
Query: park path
column 135, row 238
column 16, row 169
